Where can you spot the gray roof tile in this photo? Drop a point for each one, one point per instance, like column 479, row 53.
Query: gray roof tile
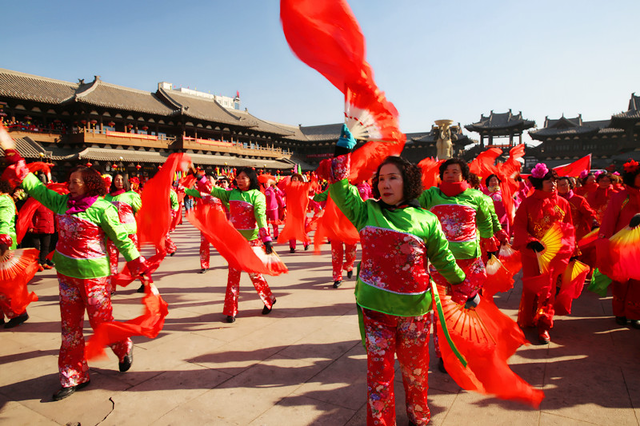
column 23, row 86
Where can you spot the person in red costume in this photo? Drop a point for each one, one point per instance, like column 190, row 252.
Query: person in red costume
column 85, row 221
column 584, row 217
column 41, row 230
column 623, row 210
column 599, row 198
column 534, row 218
column 587, row 183
column 493, row 191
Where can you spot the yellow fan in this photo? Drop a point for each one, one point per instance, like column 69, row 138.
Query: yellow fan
column 625, row 250
column 552, row 242
column 573, row 271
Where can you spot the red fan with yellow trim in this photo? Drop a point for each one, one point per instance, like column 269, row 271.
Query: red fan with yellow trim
column 572, row 284
column 558, row 244
column 17, row 268
column 625, row 253
column 485, row 338
column 499, row 278
column 588, row 240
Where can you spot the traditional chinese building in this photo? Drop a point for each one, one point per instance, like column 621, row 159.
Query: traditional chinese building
column 610, row 141
column 119, row 128
column 496, row 127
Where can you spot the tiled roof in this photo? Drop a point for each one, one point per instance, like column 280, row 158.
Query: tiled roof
column 296, row 132
column 219, row 160
column 19, row 85
column 31, row 149
column 326, row 132
column 568, row 127
column 108, row 154
column 109, row 95
column 200, row 108
column 633, row 113
column 500, row 121
column 260, row 125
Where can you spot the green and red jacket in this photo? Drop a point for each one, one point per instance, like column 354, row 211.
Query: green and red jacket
column 8, row 219
column 462, row 217
column 397, row 245
column 128, row 203
column 81, row 249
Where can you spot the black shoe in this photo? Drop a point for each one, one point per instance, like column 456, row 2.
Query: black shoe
column 306, row 247
column 125, row 365
column 14, row 322
column 68, row 391
column 337, row 284
column 441, row 367
column 141, row 289
column 2, row 320
column 292, row 250
column 621, row 320
column 231, row 319
column 635, row 323
column 350, row 273
column 267, row 311
column 172, row 253
column 203, row 271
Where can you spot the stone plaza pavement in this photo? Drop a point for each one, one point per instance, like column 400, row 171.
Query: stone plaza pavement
column 301, row 365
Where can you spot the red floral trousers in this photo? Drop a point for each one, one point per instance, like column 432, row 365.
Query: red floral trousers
column 76, row 296
column 204, row 252
column 114, row 253
column 5, row 306
column 337, row 253
column 408, row 337
column 233, row 288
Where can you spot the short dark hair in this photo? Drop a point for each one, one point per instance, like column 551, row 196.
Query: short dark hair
column 486, row 181
column 463, row 166
column 602, row 176
column 251, row 174
column 474, row 180
column 5, row 187
column 537, row 182
column 125, row 185
column 629, row 178
column 568, row 179
column 411, row 178
column 584, row 179
column 92, row 180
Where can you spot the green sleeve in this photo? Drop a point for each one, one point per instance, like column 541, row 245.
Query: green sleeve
column 260, row 209
column 425, row 199
column 193, row 192
column 439, row 254
column 483, row 217
column 136, row 202
column 8, row 218
column 110, row 224
column 221, row 193
column 174, row 200
column 47, row 197
column 348, row 200
column 321, row 196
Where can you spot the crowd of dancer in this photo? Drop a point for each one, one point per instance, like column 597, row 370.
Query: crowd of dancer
column 408, row 234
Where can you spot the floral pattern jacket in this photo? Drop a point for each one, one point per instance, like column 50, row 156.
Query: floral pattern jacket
column 81, row 249
column 397, row 245
column 462, row 217
column 128, row 203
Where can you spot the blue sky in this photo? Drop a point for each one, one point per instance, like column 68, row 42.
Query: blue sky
column 433, row 58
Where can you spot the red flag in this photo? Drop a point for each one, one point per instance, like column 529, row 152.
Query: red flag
column 574, row 169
